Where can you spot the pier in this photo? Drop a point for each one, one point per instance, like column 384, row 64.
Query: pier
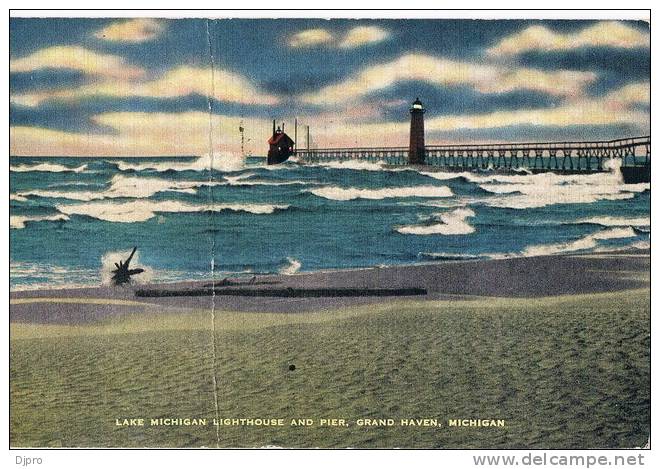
column 542, row 156
column 561, row 157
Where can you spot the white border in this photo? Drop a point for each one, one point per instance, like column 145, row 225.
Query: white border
column 288, row 458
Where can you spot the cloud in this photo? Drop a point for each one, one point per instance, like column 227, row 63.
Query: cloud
column 311, row 37
column 613, row 108
column 444, row 72
column 187, row 133
column 221, row 84
column 602, row 34
column 144, row 134
column 634, row 93
column 354, row 37
column 77, row 58
column 136, row 30
column 362, row 35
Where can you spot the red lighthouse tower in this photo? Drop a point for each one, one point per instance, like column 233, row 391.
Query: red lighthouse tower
column 416, row 151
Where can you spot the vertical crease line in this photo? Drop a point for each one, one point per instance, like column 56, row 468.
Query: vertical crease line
column 210, row 96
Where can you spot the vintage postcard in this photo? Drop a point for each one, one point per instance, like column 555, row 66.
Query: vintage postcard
column 329, row 233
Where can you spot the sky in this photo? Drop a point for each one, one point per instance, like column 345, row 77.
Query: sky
column 173, row 87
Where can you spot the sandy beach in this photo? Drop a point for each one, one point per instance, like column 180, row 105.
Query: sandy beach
column 557, row 348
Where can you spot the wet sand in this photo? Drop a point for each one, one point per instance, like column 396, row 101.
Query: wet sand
column 530, row 277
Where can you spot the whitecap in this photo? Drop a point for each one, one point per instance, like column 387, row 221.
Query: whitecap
column 352, row 164
column 585, row 243
column 243, row 180
column 451, row 223
column 222, row 161
column 452, row 255
column 543, row 189
column 47, row 168
column 352, row 193
column 18, row 222
column 292, row 267
column 143, row 210
column 124, row 187
column 443, row 176
column 614, row 221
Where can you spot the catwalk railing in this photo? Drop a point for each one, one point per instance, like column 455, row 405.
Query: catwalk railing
column 562, row 156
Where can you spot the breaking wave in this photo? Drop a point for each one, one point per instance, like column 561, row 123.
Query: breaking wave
column 46, row 168
column 223, row 161
column 352, row 193
column 541, row 190
column 451, row 223
column 586, row 242
column 124, row 187
column 243, row 180
column 17, row 198
column 353, row 164
column 143, row 210
column 18, row 222
column 292, row 267
column 614, row 221
column 589, row 242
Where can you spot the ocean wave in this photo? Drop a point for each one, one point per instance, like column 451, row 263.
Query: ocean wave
column 352, row 164
column 46, row 168
column 293, row 266
column 588, row 243
column 446, row 175
column 143, row 210
column 243, row 180
column 17, row 198
column 451, row 223
column 18, row 222
column 124, row 187
column 542, row 192
column 352, row 193
column 40, row 276
column 453, row 256
column 585, row 243
column 223, row 162
column 613, row 221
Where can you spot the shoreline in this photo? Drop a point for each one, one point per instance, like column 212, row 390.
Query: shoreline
column 524, row 277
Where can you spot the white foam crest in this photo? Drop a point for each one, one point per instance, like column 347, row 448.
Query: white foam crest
column 47, row 168
column 18, row 222
column 242, row 180
column 615, row 221
column 124, row 187
column 352, row 193
column 586, row 242
column 443, row 176
column 543, row 189
column 452, row 255
column 143, row 210
column 292, row 267
column 451, row 223
column 222, row 161
column 17, row 198
column 353, row 164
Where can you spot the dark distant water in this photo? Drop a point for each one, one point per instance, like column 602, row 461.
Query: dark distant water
column 72, row 217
